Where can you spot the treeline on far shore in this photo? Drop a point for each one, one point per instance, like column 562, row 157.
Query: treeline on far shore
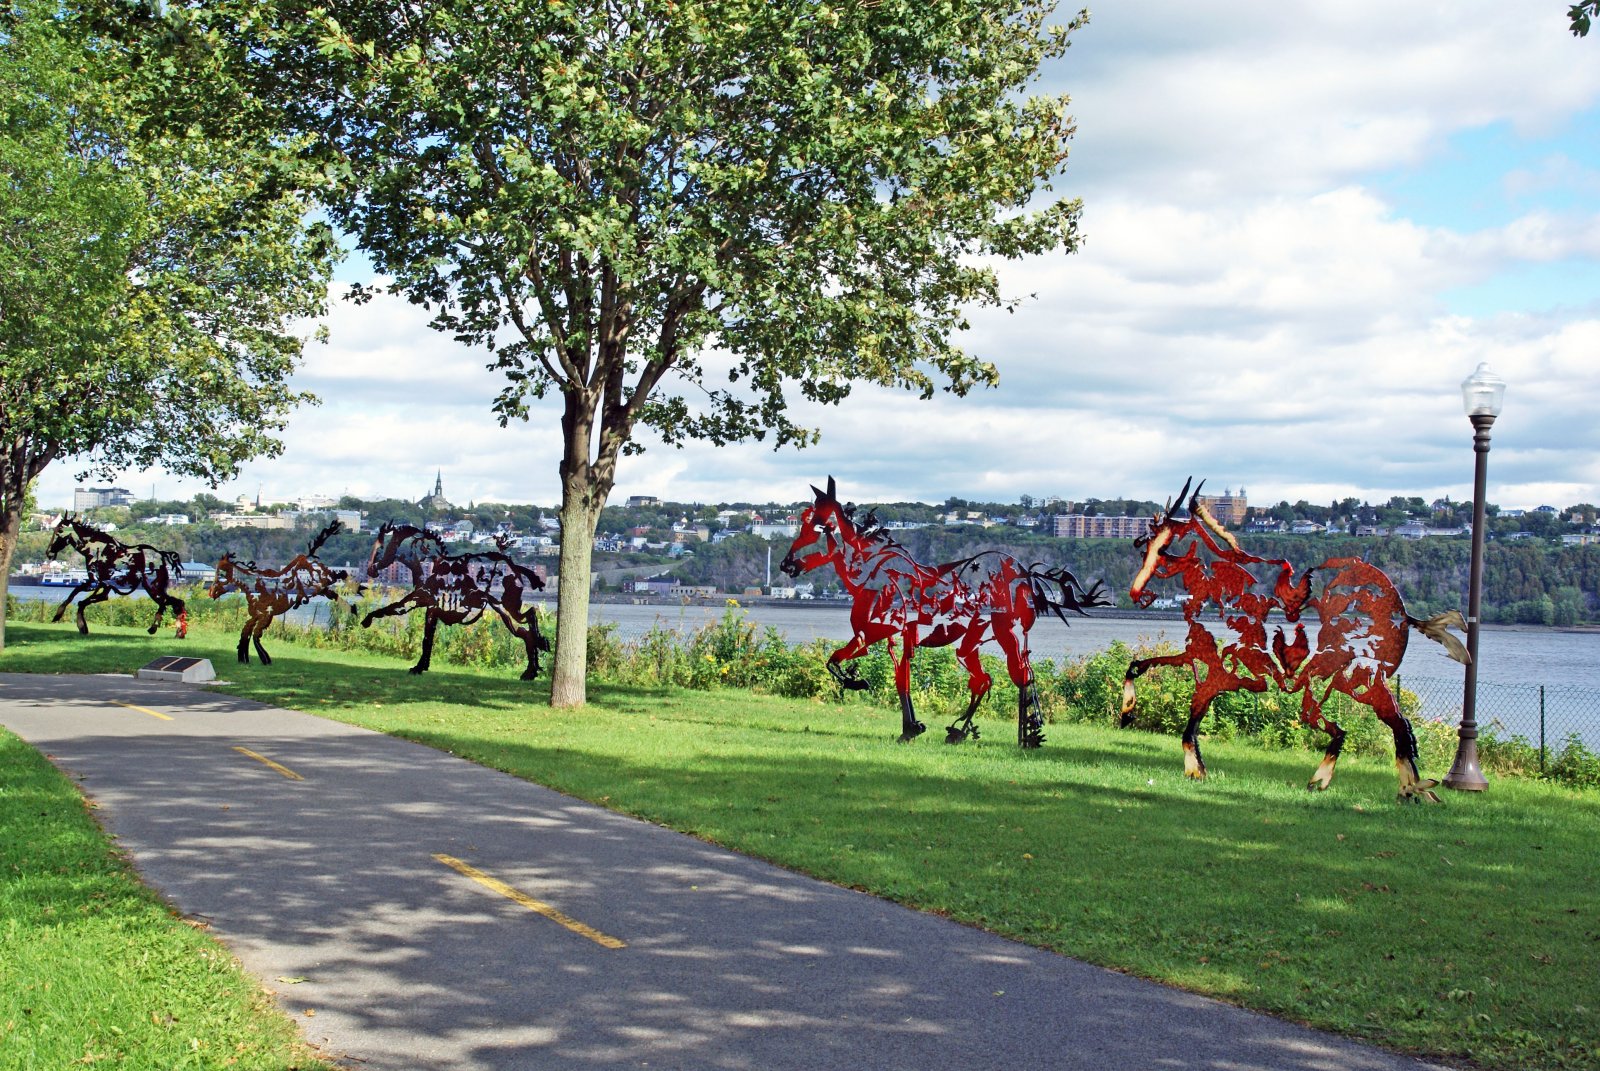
column 1525, row 581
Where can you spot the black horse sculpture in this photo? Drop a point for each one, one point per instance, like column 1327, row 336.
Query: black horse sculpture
column 457, row 589
column 116, row 568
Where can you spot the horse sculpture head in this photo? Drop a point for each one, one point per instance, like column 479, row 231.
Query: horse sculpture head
column 391, row 537
column 825, row 527
column 225, row 575
column 68, row 532
column 1168, row 526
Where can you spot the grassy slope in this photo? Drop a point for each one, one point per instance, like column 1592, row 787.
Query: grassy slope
column 1467, row 930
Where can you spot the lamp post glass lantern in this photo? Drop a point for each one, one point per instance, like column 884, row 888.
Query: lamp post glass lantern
column 1481, row 396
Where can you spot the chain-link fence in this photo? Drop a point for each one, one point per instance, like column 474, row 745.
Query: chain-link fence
column 1546, row 716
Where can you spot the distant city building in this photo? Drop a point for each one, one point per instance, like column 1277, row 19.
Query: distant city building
column 253, row 520
column 436, row 502
column 643, row 502
column 95, row 497
column 173, row 519
column 692, row 591
column 652, row 585
column 1080, row 526
column 775, row 531
column 1229, row 508
column 1418, row 530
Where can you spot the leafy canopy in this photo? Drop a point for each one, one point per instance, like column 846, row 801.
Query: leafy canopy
column 149, row 279
column 758, row 197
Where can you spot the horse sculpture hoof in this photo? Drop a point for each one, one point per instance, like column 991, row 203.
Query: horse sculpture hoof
column 954, row 735
column 916, row 730
column 1419, row 792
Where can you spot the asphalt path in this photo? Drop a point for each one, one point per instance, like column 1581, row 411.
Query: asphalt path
column 415, row 911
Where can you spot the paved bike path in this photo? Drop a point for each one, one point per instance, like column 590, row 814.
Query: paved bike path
column 446, row 916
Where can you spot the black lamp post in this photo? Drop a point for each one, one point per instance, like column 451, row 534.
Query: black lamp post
column 1481, row 395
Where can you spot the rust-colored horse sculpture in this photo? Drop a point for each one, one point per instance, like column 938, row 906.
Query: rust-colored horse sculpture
column 1362, row 628
column 116, row 568
column 270, row 593
column 896, row 599
column 457, row 588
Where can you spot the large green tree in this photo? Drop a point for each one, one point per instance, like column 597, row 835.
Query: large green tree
column 676, row 215
column 150, row 279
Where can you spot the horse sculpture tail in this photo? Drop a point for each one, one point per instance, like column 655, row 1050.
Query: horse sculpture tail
column 1057, row 591
column 1437, row 628
column 172, row 560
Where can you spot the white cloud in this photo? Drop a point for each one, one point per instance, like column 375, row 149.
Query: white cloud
column 1247, row 307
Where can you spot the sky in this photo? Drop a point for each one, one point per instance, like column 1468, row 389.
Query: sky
column 1304, row 225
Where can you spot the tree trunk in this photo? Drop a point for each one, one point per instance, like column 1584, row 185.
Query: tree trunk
column 10, row 528
column 580, row 515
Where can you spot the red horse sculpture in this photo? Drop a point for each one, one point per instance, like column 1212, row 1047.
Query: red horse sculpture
column 896, row 599
column 269, row 593
column 116, row 568
column 1362, row 628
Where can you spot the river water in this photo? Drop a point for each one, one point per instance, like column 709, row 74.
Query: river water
column 1513, row 662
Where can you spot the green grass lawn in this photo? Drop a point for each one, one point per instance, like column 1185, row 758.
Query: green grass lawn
column 1469, row 930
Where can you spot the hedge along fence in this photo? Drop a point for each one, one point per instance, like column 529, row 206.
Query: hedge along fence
column 733, row 652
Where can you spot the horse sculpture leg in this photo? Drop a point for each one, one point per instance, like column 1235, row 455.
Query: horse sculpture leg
column 1030, row 722
column 1413, row 786
column 1312, row 714
column 1013, row 640
column 61, row 611
column 163, row 603
column 857, row 647
column 259, row 630
column 533, row 642
column 430, row 624
column 100, row 594
column 1136, row 669
column 978, row 684
column 910, row 727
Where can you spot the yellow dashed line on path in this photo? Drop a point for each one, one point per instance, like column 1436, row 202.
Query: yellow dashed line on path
column 263, row 760
column 529, row 902
column 143, row 710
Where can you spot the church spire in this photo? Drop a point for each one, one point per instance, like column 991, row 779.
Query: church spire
column 438, row 484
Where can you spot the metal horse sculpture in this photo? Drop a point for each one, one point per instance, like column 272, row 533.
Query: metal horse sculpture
column 457, row 588
column 116, row 568
column 898, row 599
column 1362, row 628
column 269, row 593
